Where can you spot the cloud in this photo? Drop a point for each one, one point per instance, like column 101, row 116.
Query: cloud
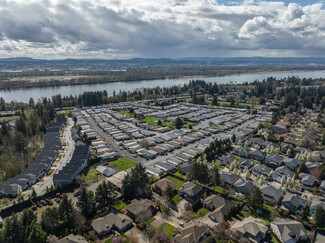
column 160, row 28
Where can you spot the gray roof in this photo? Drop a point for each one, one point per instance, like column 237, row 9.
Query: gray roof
column 190, row 188
column 271, row 191
column 289, row 229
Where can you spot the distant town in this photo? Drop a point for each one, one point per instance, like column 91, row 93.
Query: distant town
column 195, row 163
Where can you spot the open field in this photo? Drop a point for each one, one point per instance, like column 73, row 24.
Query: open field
column 122, row 164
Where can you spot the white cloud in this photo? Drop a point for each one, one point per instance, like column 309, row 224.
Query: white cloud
column 160, row 28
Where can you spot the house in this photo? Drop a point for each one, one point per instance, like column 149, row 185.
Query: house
column 282, row 171
column 228, row 180
column 112, row 221
column 185, row 168
column 245, row 187
column 274, row 159
column 294, row 203
column 269, row 144
column 242, row 152
column 192, row 233
column 284, row 147
column 106, row 171
column 73, row 239
column 262, row 169
column 190, row 191
column 245, row 163
column 141, row 210
column 227, row 160
column 250, row 228
column 256, row 141
column 314, row 204
column 221, row 208
column 214, row 201
column 313, row 168
column 288, row 230
column 271, row 194
column 257, row 155
column 292, row 164
column 161, row 186
column 280, row 129
column 308, row 182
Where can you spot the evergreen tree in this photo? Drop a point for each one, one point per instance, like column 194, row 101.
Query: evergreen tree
column 215, row 178
column 178, row 123
column 136, row 183
column 255, row 200
column 87, row 203
column 37, row 235
column 106, row 195
column 319, row 217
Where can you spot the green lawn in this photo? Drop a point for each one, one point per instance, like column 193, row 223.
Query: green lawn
column 165, row 227
column 124, row 236
column 92, row 174
column 176, row 199
column 243, row 214
column 149, row 221
column 202, row 212
column 151, row 120
column 122, row 164
column 179, row 175
column 178, row 183
column 121, row 206
column 66, row 112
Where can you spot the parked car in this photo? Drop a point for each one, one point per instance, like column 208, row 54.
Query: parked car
column 77, row 194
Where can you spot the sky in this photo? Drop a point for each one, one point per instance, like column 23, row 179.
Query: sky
column 59, row 29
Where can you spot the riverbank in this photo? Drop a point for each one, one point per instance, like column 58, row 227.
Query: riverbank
column 55, row 81
column 24, row 94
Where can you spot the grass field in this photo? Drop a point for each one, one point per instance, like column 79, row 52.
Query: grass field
column 165, row 227
column 179, row 175
column 120, row 206
column 122, row 164
column 201, row 213
column 178, row 183
column 66, row 112
column 176, row 199
column 149, row 221
column 153, row 121
column 93, row 174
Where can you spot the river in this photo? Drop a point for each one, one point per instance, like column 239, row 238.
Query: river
column 23, row 95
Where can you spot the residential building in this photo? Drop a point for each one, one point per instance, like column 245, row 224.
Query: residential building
column 192, row 233
column 288, row 230
column 141, row 210
column 271, row 194
column 294, row 203
column 245, row 187
column 190, row 191
column 250, row 228
column 112, row 221
column 161, row 186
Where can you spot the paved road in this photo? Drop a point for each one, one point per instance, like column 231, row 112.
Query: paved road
column 65, row 159
column 112, row 142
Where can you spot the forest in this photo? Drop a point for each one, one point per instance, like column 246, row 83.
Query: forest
column 20, row 143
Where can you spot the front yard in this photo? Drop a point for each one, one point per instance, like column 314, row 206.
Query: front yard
column 165, row 227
